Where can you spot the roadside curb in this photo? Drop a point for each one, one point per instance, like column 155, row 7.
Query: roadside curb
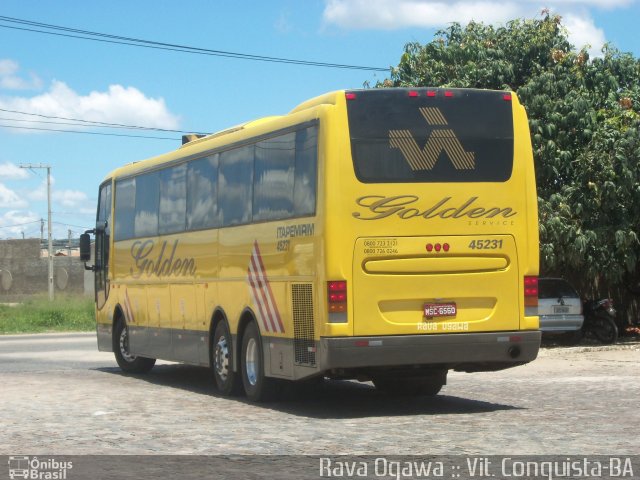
column 625, row 345
column 44, row 335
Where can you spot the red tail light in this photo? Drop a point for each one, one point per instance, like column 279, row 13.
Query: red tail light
column 337, row 296
column 531, row 291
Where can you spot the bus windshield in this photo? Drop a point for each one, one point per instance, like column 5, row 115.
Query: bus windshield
column 410, row 136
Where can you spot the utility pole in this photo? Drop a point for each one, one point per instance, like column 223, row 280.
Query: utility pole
column 32, row 166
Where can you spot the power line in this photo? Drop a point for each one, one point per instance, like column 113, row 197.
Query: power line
column 137, row 42
column 90, row 133
column 69, row 225
column 76, row 124
column 19, row 224
column 93, row 214
column 93, row 122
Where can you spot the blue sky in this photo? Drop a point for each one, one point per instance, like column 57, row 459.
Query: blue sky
column 64, row 77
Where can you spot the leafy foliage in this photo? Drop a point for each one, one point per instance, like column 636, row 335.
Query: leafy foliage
column 585, row 130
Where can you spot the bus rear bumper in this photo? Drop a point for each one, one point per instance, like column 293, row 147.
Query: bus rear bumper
column 460, row 351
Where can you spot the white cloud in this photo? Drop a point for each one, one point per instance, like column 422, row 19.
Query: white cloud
column 11, row 171
column 583, row 32
column 14, row 222
column 39, row 194
column 126, row 105
column 70, row 198
column 394, row 14
column 10, row 199
column 397, row 14
column 10, row 80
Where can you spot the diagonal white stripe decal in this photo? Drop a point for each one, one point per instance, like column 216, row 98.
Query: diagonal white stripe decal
column 259, row 296
column 262, row 293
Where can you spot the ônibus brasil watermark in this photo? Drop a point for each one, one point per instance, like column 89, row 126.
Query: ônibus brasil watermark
column 479, row 467
column 38, row 469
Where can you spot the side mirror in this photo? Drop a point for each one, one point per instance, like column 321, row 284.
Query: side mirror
column 85, row 247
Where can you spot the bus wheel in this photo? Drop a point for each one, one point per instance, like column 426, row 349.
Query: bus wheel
column 226, row 379
column 428, row 386
column 128, row 362
column 257, row 387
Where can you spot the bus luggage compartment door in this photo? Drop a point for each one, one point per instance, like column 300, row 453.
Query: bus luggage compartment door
column 431, row 285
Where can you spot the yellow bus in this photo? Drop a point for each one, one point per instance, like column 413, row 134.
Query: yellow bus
column 384, row 235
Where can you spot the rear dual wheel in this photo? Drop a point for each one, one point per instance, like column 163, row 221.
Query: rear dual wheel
column 257, row 386
column 251, row 375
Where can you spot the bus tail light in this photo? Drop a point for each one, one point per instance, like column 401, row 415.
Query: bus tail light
column 337, row 301
column 531, row 291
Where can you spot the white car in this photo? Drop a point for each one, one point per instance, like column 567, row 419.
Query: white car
column 559, row 307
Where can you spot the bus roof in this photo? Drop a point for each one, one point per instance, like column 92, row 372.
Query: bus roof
column 203, row 144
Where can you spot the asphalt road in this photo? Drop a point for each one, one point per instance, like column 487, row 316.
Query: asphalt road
column 59, row 395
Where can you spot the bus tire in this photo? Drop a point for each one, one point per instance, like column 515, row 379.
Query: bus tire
column 226, row 379
column 415, row 386
column 126, row 361
column 257, row 387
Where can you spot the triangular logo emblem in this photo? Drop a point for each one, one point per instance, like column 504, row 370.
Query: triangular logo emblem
column 440, row 139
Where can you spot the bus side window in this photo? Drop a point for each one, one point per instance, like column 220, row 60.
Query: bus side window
column 235, row 185
column 173, row 199
column 125, row 209
column 304, row 193
column 147, row 200
column 274, row 178
column 202, row 193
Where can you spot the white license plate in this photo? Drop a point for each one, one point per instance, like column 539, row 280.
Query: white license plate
column 561, row 309
column 440, row 310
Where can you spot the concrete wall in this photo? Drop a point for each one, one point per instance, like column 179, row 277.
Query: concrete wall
column 23, row 271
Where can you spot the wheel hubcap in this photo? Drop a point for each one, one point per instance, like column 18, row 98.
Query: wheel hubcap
column 251, row 361
column 124, row 346
column 221, row 358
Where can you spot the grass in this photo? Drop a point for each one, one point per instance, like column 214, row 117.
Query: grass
column 39, row 315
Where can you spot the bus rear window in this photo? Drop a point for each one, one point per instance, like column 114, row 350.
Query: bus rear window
column 431, row 135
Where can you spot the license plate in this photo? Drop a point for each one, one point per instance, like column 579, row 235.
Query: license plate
column 561, row 309
column 440, row 310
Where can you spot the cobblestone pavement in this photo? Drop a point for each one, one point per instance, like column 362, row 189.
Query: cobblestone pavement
column 58, row 395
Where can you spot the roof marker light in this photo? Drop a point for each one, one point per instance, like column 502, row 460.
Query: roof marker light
column 350, row 96
column 431, row 93
column 506, row 97
column 448, row 94
column 413, row 93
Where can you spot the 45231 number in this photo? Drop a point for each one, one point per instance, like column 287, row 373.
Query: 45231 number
column 485, row 244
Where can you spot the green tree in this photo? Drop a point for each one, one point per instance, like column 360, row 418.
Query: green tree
column 585, row 129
